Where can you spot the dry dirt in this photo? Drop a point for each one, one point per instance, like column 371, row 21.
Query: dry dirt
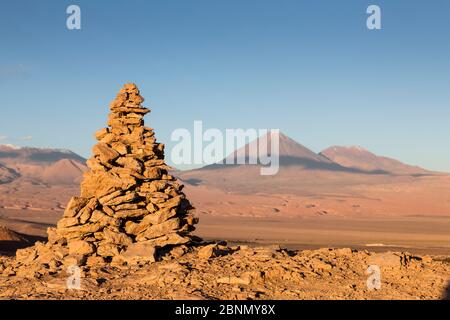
column 237, row 191
column 222, row 272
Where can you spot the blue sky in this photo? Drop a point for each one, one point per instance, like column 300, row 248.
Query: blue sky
column 309, row 68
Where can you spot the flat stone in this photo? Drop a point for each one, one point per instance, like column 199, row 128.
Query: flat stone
column 80, row 247
column 74, row 260
column 129, row 206
column 99, row 184
column 108, row 211
column 138, row 213
column 95, row 261
column 120, row 147
column 102, row 219
column 159, row 216
column 67, row 222
column 207, row 251
column 116, row 237
column 74, row 206
column 161, row 229
column 85, row 213
column 153, row 173
column 122, row 199
column 385, row 259
column 109, row 138
column 94, row 164
column 132, row 109
column 171, row 203
column 234, row 280
column 107, row 250
column 26, row 255
column 105, row 153
column 100, row 134
column 81, row 230
column 139, row 252
column 103, row 200
column 130, row 163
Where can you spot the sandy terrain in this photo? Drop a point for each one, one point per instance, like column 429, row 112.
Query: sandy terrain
column 414, row 234
column 295, row 192
column 420, row 235
column 408, row 216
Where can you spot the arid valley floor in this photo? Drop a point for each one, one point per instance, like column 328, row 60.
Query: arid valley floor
column 260, row 260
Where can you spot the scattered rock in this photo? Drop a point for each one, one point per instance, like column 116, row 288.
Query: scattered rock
column 386, row 259
column 80, row 247
column 234, row 280
column 207, row 251
column 138, row 253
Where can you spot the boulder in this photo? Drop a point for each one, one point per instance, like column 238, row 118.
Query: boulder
column 107, row 249
column 385, row 259
column 74, row 206
column 98, row 184
column 139, row 252
column 208, row 251
column 105, row 153
column 80, row 247
column 122, row 199
column 161, row 229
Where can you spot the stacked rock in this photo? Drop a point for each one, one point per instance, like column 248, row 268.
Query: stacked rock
column 129, row 202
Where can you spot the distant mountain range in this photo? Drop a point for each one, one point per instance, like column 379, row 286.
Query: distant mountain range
column 360, row 158
column 337, row 181
column 302, row 170
column 336, row 158
column 52, row 166
column 61, row 166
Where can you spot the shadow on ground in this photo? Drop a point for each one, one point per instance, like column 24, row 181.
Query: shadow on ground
column 447, row 292
column 8, row 248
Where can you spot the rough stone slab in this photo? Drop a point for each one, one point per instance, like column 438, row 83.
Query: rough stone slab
column 67, row 222
column 116, row 237
column 100, row 134
column 169, row 239
column 131, row 213
column 107, row 250
column 122, row 199
column 80, row 247
column 161, row 229
column 105, row 153
column 99, row 184
column 159, row 216
column 103, row 200
column 139, row 252
column 74, row 206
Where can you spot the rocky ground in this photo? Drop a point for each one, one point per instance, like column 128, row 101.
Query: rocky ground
column 217, row 271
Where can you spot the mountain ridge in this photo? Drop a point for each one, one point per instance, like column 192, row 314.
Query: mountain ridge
column 360, row 158
column 44, row 165
column 292, row 153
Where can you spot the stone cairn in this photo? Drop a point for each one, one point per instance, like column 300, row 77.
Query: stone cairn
column 130, row 206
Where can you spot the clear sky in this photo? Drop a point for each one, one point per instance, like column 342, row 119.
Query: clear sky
column 310, row 68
